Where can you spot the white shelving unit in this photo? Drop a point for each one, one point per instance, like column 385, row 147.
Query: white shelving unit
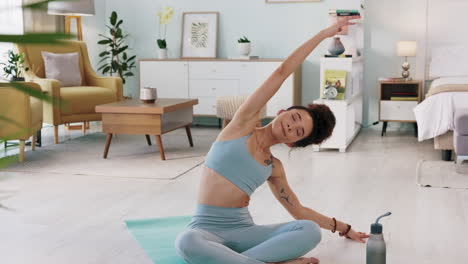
column 348, row 112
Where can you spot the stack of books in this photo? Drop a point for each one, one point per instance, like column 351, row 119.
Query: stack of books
column 343, row 12
column 403, row 96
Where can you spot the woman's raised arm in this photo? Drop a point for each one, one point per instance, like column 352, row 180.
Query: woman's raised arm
column 254, row 103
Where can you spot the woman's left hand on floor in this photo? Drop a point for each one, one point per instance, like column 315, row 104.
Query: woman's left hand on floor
column 357, row 236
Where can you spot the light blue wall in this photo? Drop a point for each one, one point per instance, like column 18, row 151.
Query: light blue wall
column 274, row 29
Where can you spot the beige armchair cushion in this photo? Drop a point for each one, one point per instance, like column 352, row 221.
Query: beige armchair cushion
column 83, row 99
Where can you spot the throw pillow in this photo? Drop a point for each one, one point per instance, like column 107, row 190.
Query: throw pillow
column 63, row 67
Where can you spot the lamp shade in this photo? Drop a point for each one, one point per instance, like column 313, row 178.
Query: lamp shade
column 406, row 48
column 71, row 8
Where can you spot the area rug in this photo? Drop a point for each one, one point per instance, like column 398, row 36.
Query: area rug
column 129, row 156
column 157, row 237
column 438, row 173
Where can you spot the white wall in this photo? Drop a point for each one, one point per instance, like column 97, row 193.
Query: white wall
column 275, row 30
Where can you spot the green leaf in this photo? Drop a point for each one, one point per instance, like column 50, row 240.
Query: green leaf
column 119, row 23
column 106, row 70
column 104, row 53
column 124, row 56
column 118, row 34
column 36, row 38
column 113, row 18
column 131, row 58
column 104, row 42
column 122, row 49
column 129, row 74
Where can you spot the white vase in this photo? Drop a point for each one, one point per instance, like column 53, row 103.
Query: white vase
column 162, row 53
column 243, row 48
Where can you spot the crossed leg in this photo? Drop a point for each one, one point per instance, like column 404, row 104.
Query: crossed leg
column 250, row 245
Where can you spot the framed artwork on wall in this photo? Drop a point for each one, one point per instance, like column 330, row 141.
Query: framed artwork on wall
column 199, row 35
column 290, row 1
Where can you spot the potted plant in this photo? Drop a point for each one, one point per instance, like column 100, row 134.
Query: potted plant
column 164, row 17
column 14, row 67
column 243, row 46
column 115, row 58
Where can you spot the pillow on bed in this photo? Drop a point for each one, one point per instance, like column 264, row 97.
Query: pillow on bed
column 448, row 61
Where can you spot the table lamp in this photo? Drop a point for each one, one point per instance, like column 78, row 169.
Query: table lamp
column 406, row 49
column 72, row 9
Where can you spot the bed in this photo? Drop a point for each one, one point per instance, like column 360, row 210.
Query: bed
column 448, row 91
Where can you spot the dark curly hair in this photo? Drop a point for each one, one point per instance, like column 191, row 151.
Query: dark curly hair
column 324, row 122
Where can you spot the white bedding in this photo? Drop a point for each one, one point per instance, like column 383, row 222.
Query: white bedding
column 435, row 114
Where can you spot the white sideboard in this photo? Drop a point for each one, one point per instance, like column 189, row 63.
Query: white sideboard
column 208, row 79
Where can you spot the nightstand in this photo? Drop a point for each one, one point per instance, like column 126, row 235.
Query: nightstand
column 397, row 101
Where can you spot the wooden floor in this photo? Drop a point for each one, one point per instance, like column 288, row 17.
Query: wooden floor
column 61, row 218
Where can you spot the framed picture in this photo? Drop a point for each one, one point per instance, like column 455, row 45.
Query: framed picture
column 199, row 35
column 291, row 1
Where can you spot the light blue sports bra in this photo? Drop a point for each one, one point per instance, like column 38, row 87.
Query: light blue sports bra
column 232, row 160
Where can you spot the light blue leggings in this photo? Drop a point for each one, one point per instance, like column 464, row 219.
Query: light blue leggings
column 229, row 236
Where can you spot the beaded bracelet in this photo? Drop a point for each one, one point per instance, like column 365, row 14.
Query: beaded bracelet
column 334, row 226
column 347, row 231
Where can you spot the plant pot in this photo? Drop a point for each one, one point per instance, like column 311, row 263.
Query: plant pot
column 162, row 53
column 336, row 47
column 17, row 79
column 243, row 48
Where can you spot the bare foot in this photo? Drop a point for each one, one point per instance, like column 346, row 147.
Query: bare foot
column 299, row 261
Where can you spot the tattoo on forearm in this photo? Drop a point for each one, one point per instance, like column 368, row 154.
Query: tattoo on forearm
column 269, row 161
column 284, row 196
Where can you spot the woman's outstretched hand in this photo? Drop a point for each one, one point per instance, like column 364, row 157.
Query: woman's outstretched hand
column 356, row 236
column 336, row 28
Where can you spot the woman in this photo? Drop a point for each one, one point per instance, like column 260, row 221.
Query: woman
column 222, row 230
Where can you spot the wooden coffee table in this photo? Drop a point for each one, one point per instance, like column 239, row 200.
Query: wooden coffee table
column 137, row 118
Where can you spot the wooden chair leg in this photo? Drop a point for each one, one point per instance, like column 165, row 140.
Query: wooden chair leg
column 33, row 142
column 148, row 139
column 56, row 134
column 106, row 148
column 160, row 145
column 189, row 135
column 83, row 128
column 21, row 154
column 225, row 123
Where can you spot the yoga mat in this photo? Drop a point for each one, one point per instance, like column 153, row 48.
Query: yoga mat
column 157, row 237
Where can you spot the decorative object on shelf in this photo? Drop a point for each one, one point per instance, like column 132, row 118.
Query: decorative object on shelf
column 336, row 47
column 164, row 17
column 406, row 49
column 243, row 46
column 199, row 34
column 148, row 95
column 72, row 10
column 330, row 91
column 115, row 58
column 289, row 1
column 334, row 86
column 14, row 66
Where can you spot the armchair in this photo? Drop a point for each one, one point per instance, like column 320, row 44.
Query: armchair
column 79, row 101
column 26, row 113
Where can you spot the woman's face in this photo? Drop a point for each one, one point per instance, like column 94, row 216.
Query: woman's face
column 292, row 125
